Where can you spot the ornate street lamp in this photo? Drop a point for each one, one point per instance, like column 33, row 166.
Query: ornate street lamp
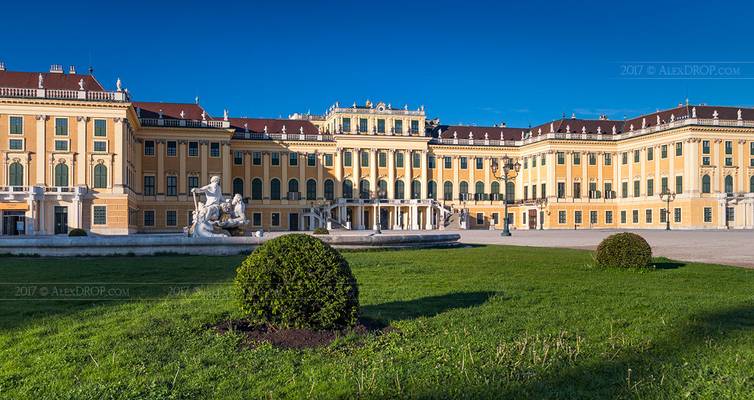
column 667, row 197
column 377, row 196
column 508, row 171
column 542, row 204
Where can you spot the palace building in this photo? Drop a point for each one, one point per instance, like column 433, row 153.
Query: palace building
column 77, row 155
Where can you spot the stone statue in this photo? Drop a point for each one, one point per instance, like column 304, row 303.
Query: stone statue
column 738, row 113
column 118, row 85
column 217, row 217
column 41, row 81
column 81, row 84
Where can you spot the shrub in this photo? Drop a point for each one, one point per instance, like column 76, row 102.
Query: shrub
column 321, row 231
column 77, row 232
column 297, row 281
column 624, row 250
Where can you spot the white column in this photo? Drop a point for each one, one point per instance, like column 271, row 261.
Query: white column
column 203, row 151
column 265, row 176
column 414, row 217
column 569, row 179
column 227, row 179
column 424, row 174
column 41, row 151
column 247, row 174
column 356, row 163
column 120, row 156
column 391, row 174
column 456, row 181
column 373, row 170
column 182, row 185
column 320, row 176
column 81, row 157
column 338, row 173
column 160, row 178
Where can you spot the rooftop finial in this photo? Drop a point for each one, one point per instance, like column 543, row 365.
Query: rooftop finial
column 81, row 84
column 196, row 100
column 225, row 114
column 40, row 82
column 117, row 85
column 183, row 115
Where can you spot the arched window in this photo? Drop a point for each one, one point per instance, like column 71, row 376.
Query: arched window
column 432, row 189
column 751, row 184
column 479, row 187
column 382, row 186
column 447, row 190
column 329, row 189
column 238, row 186
column 495, row 187
column 706, row 184
column 347, row 189
column 100, row 176
column 463, row 189
column 364, row 189
column 510, row 192
column 61, row 175
column 275, row 189
column 256, row 189
column 416, row 189
column 311, row 189
column 399, row 189
column 293, row 185
column 728, row 184
column 16, row 174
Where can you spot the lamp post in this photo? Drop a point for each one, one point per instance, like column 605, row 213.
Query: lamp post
column 378, row 194
column 508, row 171
column 667, row 197
column 542, row 204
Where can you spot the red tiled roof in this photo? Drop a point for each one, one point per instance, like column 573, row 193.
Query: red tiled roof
column 191, row 111
column 478, row 132
column 257, row 125
column 30, row 80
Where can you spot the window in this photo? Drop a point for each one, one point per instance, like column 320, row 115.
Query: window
column 238, row 186
column 17, row 144
column 609, row 190
column 576, row 158
column 399, row 189
column 363, row 125
column 61, row 145
column 533, row 161
column 293, row 186
column 495, row 218
column 608, row 159
column 311, row 160
column 431, row 190
column 544, row 160
column 171, row 219
column 275, row 158
column 348, row 189
column 447, row 190
column 416, row 189
column 99, row 215
column 730, row 214
column 649, row 215
column 149, row 185
column 346, row 124
column 623, row 216
column 149, row 218
column 328, row 160
column 751, row 184
column 576, row 190
column 728, row 184
column 479, row 190
column 707, row 214
column 728, row 147
column 329, row 189
column 100, row 146
column 364, row 156
column 637, row 188
column 561, row 158
column 635, row 216
column 608, row 217
column 100, row 127
column 214, row 149
column 664, row 151
column 728, row 161
column 256, row 189
column 561, row 190
column 193, row 149
column 479, row 218
column 577, row 217
column 543, row 190
column 663, row 215
column 414, row 126
column 193, row 182
column 61, row 126
column 495, row 189
column 172, row 148
column 238, row 157
column 706, row 184
column 416, row 159
column 292, row 159
column 17, row 126
column 705, row 147
column 479, row 163
column 679, row 149
column 61, row 175
column 650, row 153
column 706, row 160
column 275, row 189
column 364, row 189
column 637, row 156
column 624, row 189
column 398, row 126
column 256, row 219
column 650, row 187
column 679, row 184
column 448, row 162
column 592, row 159
column 382, row 159
column 464, row 163
column 431, row 161
column 16, row 174
column 100, row 176
column 275, row 219
column 677, row 215
column 561, row 217
column 380, row 126
column 347, row 158
column 463, row 189
column 311, row 189
column 149, row 147
column 624, row 158
column 592, row 217
column 751, row 148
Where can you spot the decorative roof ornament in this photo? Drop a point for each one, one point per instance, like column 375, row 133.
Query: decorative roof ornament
column 631, row 128
column 183, row 115
column 196, row 100
column 225, row 114
column 715, row 114
column 283, row 129
column 599, row 130
column 471, row 135
column 405, row 107
column 552, row 127
column 301, row 130
column 672, row 117
column 265, row 129
column 389, row 106
column 354, row 105
column 568, row 128
column 539, row 131
column 693, row 112
column 658, row 119
column 455, row 135
column 204, row 115
column 614, row 130
column 246, row 127
column 573, row 115
column 40, row 81
column 583, row 129
column 486, row 137
column 117, row 85
column 160, row 114
column 738, row 113
column 81, row 84
column 643, row 122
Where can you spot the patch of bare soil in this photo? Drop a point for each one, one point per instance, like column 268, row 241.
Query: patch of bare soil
column 296, row 338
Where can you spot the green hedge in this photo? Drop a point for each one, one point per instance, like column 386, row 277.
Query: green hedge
column 624, row 250
column 321, row 231
column 297, row 281
column 77, row 232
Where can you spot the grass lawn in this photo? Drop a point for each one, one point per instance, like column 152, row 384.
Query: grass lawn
column 490, row 321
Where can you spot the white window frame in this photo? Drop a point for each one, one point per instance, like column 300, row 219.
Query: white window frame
column 272, row 219
column 219, row 149
column 144, row 218
column 93, row 218
column 17, row 137
column 176, row 218
column 176, row 148
column 67, row 145
column 22, row 125
column 144, row 149
column 198, row 149
column 261, row 218
column 94, row 127
column 67, row 127
column 107, row 146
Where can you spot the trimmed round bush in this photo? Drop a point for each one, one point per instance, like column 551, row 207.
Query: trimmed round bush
column 297, row 281
column 624, row 250
column 321, row 231
column 76, row 232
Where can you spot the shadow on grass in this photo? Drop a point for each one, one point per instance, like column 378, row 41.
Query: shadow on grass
column 424, row 306
column 668, row 264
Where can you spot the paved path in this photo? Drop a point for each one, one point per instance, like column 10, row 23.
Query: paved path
column 733, row 247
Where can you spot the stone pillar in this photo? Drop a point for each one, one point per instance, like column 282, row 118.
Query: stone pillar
column 265, row 176
column 717, row 175
column 373, row 170
column 247, row 173
column 81, row 164
column 138, row 183
column 339, row 173
column 182, row 184
column 391, row 174
column 120, row 155
column 302, row 174
column 424, row 179
column 41, row 150
column 569, row 178
column 203, row 153
column 356, row 167
column 456, row 180
column 320, row 176
column 160, row 178
column 227, row 179
column 407, row 174
column 284, row 161
column 440, row 165
column 414, row 217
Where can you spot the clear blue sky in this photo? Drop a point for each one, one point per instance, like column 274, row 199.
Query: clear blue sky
column 467, row 62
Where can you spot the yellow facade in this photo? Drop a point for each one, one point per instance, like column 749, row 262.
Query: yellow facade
column 113, row 166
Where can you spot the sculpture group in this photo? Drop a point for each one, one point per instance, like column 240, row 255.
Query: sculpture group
column 217, row 217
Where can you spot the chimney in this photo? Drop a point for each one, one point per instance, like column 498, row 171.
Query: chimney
column 2, row 66
column 503, row 124
column 72, row 70
column 56, row 69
